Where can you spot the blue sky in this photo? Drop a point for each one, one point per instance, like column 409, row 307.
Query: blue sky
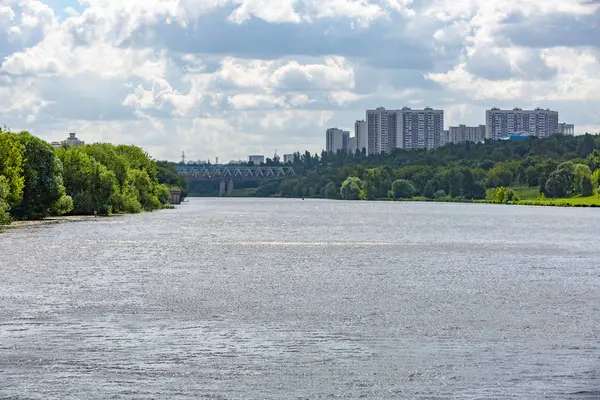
column 227, row 78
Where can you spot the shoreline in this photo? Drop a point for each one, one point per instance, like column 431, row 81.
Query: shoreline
column 52, row 220
column 563, row 202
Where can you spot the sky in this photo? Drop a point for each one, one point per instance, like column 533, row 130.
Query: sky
column 228, row 78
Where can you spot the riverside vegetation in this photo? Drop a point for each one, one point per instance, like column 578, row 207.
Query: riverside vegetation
column 560, row 170
column 38, row 181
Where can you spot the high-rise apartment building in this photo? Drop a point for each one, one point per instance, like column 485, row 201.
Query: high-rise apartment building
column 566, row 129
column 420, row 129
column 502, row 123
column 361, row 134
column 463, row 133
column 381, row 130
column 404, row 129
column 445, row 139
column 336, row 139
column 288, row 158
column 352, row 145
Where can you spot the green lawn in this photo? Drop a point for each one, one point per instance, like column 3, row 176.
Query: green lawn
column 527, row 193
column 530, row 196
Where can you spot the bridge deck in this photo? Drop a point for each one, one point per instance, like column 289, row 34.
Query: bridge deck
column 236, row 173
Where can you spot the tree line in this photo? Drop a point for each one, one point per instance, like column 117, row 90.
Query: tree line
column 37, row 180
column 558, row 166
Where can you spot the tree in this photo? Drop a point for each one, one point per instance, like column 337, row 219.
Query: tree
column 402, row 189
column 498, row 176
column 581, row 171
column 558, row 184
column 11, row 167
column 351, row 188
column 429, row 190
column 332, row 191
column 593, row 160
column 587, row 189
column 372, row 184
column 4, row 207
column 91, row 185
column 43, row 186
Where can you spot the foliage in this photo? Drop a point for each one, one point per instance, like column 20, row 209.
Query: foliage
column 37, row 180
column 332, row 191
column 11, row 167
column 402, row 189
column 501, row 195
column 91, row 185
column 459, row 170
column 587, row 188
column 4, row 207
column 43, row 182
column 168, row 175
column 351, row 188
column 581, row 172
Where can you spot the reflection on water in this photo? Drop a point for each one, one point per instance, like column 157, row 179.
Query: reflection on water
column 271, row 299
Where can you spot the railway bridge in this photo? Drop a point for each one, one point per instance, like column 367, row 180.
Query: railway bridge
column 227, row 175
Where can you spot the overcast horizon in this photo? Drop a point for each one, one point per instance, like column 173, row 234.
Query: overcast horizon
column 228, row 78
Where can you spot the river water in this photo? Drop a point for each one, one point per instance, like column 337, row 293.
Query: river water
column 291, row 299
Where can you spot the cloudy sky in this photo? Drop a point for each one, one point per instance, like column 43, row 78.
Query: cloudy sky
column 227, row 78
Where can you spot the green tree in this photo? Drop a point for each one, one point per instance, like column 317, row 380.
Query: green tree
column 587, row 188
column 91, row 185
column 42, row 179
column 145, row 189
column 596, row 178
column 332, row 191
column 372, row 184
column 402, row 189
column 351, row 188
column 4, row 207
column 581, row 171
column 558, row 184
column 11, row 167
column 429, row 190
column 498, row 176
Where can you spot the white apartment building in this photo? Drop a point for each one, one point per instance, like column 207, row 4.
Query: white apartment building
column 361, row 134
column 257, row 159
column 404, row 129
column 382, row 126
column 420, row 129
column 566, row 129
column 445, row 139
column 502, row 123
column 463, row 133
column 352, row 144
column 336, row 139
column 288, row 158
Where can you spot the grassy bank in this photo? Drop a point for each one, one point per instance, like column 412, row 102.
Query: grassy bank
column 531, row 196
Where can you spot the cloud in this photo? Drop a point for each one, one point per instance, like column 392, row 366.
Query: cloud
column 230, row 77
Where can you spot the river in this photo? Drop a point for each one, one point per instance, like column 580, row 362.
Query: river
column 291, row 299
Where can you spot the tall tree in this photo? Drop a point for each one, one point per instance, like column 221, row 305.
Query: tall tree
column 43, row 182
column 11, row 167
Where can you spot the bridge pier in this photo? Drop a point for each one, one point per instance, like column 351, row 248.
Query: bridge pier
column 222, row 189
column 230, row 188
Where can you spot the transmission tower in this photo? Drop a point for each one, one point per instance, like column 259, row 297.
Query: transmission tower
column 183, row 157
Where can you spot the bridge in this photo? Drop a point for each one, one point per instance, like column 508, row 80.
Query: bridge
column 228, row 174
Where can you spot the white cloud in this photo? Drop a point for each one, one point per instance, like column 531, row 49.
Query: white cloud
column 169, row 76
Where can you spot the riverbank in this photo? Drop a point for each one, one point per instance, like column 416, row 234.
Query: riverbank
column 52, row 220
column 576, row 201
